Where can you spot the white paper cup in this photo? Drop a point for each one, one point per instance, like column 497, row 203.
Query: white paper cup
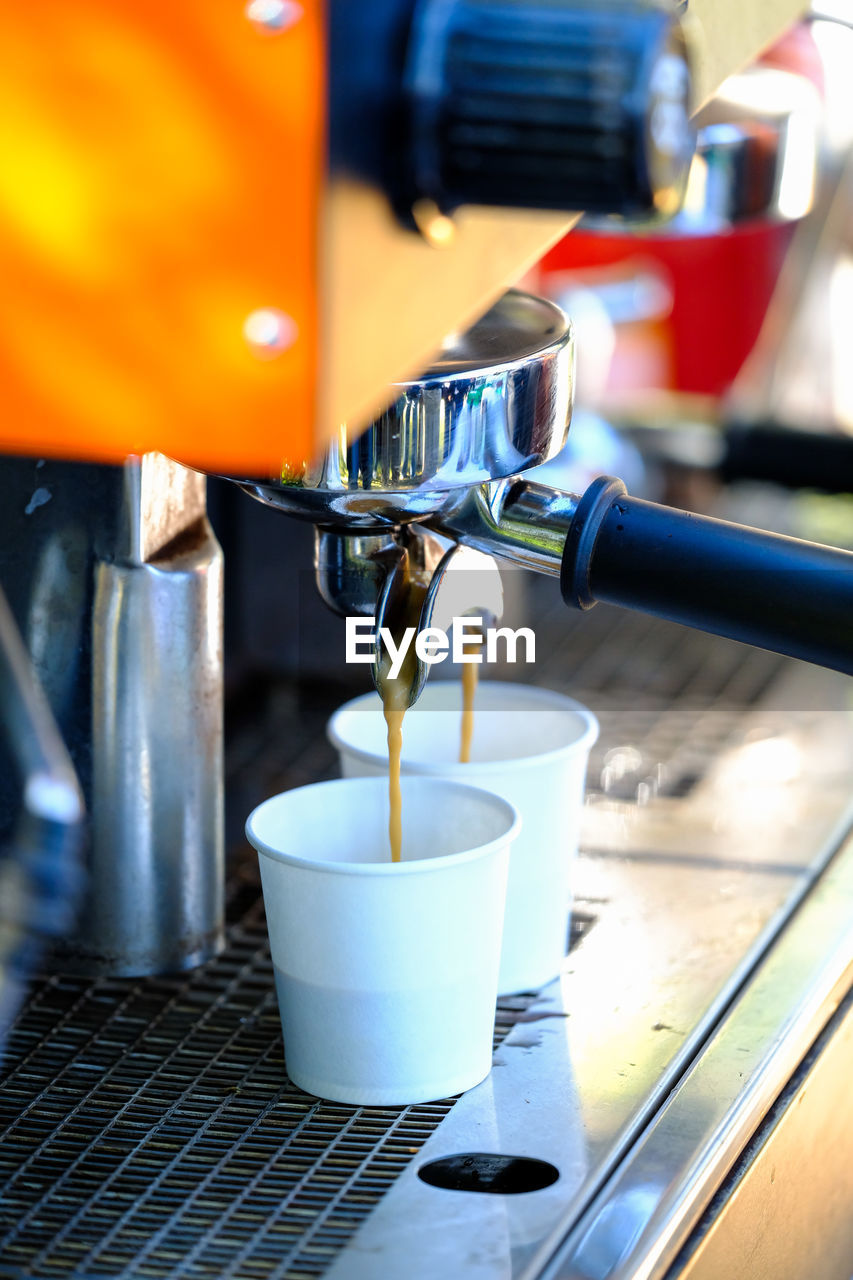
column 386, row 973
column 530, row 746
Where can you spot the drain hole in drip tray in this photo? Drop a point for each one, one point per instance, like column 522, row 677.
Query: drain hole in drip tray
column 496, row 1175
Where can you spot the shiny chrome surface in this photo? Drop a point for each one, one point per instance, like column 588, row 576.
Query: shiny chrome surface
column 157, row 863
column 517, row 519
column 645, row 1213
column 412, row 579
column 757, row 144
column 797, row 371
column 681, row 1014
column 764, row 1227
column 115, row 579
column 350, row 569
column 157, row 860
column 756, row 153
column 496, row 400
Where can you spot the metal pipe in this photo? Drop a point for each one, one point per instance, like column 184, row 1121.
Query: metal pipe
column 118, row 598
column 518, row 520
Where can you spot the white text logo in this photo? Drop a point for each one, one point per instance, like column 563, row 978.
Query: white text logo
column 471, row 642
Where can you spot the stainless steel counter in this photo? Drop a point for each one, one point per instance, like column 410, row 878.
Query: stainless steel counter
column 149, row 1128
column 720, row 949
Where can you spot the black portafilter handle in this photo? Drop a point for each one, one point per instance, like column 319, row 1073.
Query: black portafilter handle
column 783, row 455
column 775, row 592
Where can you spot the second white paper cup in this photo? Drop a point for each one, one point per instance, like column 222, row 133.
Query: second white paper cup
column 530, row 746
column 386, row 973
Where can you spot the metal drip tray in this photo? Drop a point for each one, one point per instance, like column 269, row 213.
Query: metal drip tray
column 149, row 1129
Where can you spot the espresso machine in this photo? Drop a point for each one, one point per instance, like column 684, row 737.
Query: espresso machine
column 445, row 125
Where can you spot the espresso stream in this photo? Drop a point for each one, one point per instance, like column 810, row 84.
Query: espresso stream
column 470, row 672
column 394, row 702
column 395, row 699
column 396, row 694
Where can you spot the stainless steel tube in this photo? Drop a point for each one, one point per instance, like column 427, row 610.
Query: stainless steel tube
column 516, row 519
column 115, row 579
column 156, row 864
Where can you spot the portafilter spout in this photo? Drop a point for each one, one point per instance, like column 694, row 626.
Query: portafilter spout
column 445, row 459
column 409, row 578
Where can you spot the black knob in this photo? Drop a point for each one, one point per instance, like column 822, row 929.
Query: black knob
column 548, row 104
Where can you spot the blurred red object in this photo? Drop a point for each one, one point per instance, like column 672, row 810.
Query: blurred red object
column 720, row 287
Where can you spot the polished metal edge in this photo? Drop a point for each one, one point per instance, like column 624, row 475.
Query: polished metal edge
column 642, row 1216
column 779, row 1200
column 582, row 1092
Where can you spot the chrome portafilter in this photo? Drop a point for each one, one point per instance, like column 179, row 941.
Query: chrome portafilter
column 495, row 401
column 442, row 466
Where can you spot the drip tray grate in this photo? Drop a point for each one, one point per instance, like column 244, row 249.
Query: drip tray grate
column 147, row 1127
column 149, row 1130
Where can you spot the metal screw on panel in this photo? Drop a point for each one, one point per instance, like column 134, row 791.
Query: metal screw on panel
column 273, row 15
column 436, row 228
column 269, row 331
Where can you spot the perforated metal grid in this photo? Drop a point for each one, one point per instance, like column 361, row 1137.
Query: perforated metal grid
column 147, row 1128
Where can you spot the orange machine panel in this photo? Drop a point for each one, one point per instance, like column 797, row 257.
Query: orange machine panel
column 160, row 171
